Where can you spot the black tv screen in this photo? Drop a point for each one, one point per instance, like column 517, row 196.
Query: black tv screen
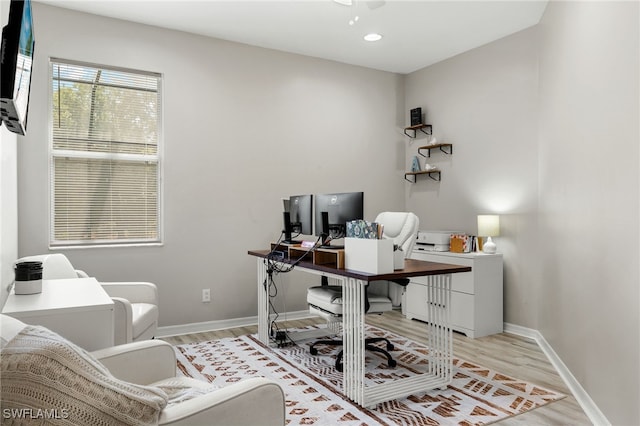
column 16, row 61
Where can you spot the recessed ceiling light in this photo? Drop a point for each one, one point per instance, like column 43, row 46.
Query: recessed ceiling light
column 372, row 37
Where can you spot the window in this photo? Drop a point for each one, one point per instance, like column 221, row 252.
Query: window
column 105, row 165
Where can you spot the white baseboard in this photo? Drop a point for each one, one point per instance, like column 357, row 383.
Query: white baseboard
column 200, row 327
column 590, row 408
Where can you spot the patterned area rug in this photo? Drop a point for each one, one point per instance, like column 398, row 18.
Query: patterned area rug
column 313, row 388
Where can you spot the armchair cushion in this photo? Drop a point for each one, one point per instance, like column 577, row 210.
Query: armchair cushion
column 42, row 370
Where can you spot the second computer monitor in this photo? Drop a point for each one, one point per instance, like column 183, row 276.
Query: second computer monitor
column 340, row 208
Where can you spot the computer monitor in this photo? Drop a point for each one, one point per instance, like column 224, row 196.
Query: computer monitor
column 333, row 211
column 297, row 216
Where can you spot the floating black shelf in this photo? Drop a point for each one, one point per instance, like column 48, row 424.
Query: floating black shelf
column 440, row 146
column 424, row 172
column 424, row 128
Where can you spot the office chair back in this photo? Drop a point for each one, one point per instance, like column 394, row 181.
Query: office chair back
column 401, row 227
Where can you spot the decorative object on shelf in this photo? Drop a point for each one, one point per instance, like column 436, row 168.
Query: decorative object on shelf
column 488, row 226
column 415, row 166
column 429, row 167
column 416, row 116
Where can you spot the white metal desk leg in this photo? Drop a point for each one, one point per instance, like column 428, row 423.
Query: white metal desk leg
column 263, row 302
column 353, row 339
column 440, row 338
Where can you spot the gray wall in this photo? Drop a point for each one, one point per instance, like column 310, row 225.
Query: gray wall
column 545, row 127
column 484, row 103
column 589, row 172
column 243, row 127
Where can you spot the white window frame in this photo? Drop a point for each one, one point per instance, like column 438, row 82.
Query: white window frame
column 53, row 153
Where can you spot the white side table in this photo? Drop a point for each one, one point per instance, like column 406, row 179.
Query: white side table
column 78, row 309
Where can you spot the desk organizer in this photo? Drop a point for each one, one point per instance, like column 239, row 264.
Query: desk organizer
column 367, row 255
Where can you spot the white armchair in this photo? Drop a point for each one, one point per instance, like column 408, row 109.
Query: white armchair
column 147, row 367
column 136, row 303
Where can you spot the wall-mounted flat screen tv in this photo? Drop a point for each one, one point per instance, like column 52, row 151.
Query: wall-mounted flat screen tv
column 17, row 57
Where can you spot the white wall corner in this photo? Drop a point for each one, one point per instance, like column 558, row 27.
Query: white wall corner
column 588, row 405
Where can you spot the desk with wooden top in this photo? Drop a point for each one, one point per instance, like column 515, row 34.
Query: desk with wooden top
column 439, row 335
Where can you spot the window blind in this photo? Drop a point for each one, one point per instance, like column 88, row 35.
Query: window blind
column 105, row 166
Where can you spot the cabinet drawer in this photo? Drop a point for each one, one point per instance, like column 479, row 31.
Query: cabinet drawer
column 462, row 282
column 462, row 306
column 462, row 310
column 416, row 301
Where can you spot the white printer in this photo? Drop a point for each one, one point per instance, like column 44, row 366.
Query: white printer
column 433, row 240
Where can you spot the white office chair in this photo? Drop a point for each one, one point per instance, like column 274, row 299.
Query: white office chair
column 136, row 303
column 326, row 300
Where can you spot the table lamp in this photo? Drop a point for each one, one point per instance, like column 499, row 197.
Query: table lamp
column 488, row 226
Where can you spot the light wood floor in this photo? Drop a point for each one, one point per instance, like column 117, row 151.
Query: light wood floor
column 509, row 354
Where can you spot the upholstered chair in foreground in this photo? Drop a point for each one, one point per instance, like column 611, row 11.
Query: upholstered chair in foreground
column 134, row 383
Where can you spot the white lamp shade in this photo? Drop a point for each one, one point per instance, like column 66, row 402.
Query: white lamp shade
column 488, row 225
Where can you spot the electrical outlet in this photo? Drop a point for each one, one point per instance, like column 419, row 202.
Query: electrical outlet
column 206, row 295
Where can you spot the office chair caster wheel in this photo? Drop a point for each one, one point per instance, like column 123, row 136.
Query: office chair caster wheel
column 313, row 351
column 392, row 363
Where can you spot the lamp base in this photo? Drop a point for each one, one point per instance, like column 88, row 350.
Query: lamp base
column 489, row 246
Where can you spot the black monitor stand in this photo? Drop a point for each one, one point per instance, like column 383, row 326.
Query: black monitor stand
column 326, row 234
column 288, row 230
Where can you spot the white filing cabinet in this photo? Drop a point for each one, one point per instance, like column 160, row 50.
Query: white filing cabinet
column 78, row 309
column 476, row 296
